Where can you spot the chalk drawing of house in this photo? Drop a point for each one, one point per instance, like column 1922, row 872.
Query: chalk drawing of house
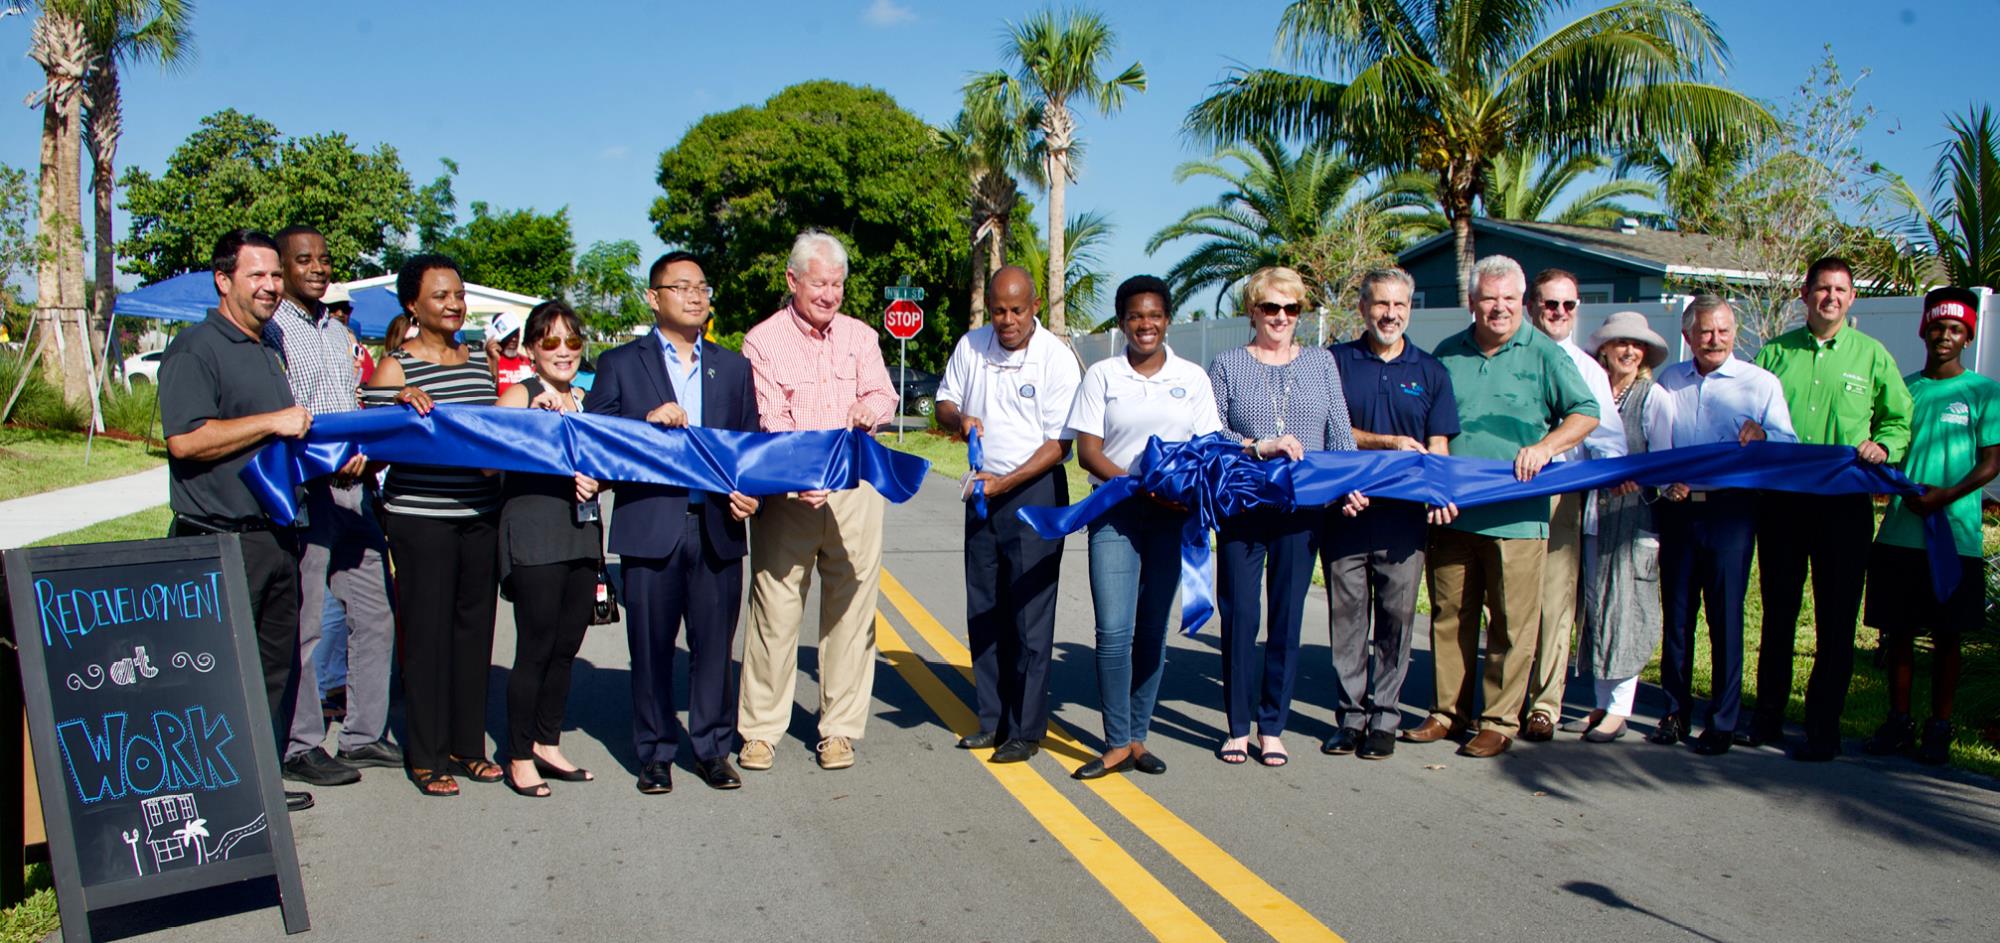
column 163, row 815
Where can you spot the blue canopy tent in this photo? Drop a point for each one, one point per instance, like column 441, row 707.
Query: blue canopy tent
column 373, row 309
column 187, row 297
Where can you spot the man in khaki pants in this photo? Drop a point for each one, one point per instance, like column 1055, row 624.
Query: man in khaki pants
column 814, row 368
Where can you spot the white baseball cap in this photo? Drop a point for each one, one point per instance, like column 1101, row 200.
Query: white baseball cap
column 504, row 325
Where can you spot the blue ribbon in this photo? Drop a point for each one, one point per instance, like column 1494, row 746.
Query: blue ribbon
column 975, row 456
column 608, row 448
column 1215, row 479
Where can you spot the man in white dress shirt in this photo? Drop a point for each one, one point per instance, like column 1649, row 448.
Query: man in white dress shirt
column 1553, row 307
column 1706, row 537
column 1011, row 383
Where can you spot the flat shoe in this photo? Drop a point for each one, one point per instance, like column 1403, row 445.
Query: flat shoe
column 1095, row 769
column 578, row 775
column 1596, row 735
column 1150, row 764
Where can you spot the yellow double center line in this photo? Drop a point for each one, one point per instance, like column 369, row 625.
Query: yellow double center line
column 1156, row 907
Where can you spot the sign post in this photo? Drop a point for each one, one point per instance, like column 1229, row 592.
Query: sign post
column 903, row 319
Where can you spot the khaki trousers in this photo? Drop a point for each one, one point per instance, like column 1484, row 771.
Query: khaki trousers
column 788, row 541
column 1469, row 572
column 1559, row 573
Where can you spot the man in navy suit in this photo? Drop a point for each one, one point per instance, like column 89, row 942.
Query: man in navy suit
column 681, row 551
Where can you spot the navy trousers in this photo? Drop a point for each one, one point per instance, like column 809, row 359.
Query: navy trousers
column 1705, row 549
column 693, row 585
column 1264, row 560
column 1010, row 608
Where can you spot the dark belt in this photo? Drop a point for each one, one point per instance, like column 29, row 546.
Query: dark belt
column 249, row 526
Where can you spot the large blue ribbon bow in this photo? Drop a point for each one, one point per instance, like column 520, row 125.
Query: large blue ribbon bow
column 607, row 448
column 1213, row 478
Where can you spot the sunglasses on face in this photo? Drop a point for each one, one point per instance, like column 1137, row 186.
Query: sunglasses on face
column 573, row 342
column 1554, row 305
column 1271, row 308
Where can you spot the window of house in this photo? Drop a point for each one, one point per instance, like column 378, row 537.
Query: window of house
column 1596, row 293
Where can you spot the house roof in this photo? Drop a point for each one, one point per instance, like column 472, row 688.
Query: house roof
column 1660, row 251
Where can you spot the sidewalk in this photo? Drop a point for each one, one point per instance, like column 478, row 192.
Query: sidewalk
column 39, row 516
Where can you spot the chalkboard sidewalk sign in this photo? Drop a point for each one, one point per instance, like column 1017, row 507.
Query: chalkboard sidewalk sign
column 147, row 710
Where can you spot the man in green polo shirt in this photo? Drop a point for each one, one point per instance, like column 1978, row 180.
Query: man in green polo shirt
column 1843, row 389
column 1520, row 398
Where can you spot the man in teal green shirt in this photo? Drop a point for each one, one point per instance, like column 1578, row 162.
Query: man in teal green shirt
column 1843, row 388
column 1521, row 399
column 1954, row 451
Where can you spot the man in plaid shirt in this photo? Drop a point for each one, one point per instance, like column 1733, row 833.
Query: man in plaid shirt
column 344, row 551
column 814, row 368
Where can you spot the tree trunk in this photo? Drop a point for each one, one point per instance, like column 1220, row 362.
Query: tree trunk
column 996, row 247
column 106, row 125
column 60, row 48
column 1058, row 271
column 976, row 262
column 1461, row 241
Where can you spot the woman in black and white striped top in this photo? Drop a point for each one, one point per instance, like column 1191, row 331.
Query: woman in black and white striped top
column 443, row 538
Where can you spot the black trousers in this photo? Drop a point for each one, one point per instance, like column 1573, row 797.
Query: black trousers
column 1705, row 549
column 271, row 571
column 551, row 612
column 1831, row 532
column 697, row 586
column 1010, row 608
column 447, row 577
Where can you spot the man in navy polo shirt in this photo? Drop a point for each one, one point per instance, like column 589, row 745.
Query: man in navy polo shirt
column 1398, row 397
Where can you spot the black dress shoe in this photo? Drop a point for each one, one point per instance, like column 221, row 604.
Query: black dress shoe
column 656, row 779
column 379, row 754
column 1095, row 769
column 1672, row 730
column 1763, row 731
column 1811, row 752
column 1344, row 741
column 1150, row 764
column 978, row 741
column 1378, row 745
column 316, row 768
column 718, row 774
column 298, row 801
column 1713, row 743
column 1015, row 751
column 1898, row 734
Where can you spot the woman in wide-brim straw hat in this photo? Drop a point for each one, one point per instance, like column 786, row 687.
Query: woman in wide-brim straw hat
column 1621, row 554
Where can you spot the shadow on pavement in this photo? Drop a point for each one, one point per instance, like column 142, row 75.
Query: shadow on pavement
column 1612, row 899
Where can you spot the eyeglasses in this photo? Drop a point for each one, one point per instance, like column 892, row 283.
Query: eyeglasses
column 682, row 289
column 1550, row 304
column 573, row 342
column 1271, row 308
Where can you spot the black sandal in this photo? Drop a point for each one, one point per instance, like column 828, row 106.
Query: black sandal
column 436, row 784
column 479, row 770
column 552, row 771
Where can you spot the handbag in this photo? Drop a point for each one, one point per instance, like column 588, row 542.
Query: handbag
column 604, row 609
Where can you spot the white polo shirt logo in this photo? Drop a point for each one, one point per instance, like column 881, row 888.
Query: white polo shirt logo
column 1179, row 392
column 1028, row 390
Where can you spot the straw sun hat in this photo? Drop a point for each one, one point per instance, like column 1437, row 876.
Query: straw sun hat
column 1630, row 326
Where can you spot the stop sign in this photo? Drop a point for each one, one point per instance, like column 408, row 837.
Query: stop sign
column 903, row 319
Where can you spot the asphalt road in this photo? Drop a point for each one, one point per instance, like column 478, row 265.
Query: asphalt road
column 921, row 842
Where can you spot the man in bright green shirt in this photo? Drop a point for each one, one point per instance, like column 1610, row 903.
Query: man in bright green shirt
column 1520, row 399
column 1842, row 388
column 1954, row 451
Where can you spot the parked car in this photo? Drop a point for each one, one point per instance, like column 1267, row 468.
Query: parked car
column 143, row 368
column 919, row 391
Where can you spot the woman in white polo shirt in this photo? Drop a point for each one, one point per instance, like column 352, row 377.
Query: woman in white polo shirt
column 1123, row 401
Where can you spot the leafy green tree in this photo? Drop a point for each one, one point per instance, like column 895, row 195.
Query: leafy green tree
column 1058, row 60
column 1445, row 86
column 741, row 184
column 515, row 250
column 1691, row 178
column 17, row 243
column 609, row 287
column 1523, row 185
column 238, row 170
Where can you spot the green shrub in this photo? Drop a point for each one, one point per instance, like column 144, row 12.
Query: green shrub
column 135, row 412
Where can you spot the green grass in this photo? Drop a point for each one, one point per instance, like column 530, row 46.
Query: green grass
column 36, row 460
column 32, row 919
column 947, row 458
column 143, row 525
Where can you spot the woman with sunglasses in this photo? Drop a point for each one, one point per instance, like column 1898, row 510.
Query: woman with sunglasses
column 550, row 545
column 1282, row 400
column 443, row 539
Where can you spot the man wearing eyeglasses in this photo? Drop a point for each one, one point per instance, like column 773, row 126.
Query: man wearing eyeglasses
column 1554, row 300
column 1520, row 398
column 681, row 551
column 1011, row 384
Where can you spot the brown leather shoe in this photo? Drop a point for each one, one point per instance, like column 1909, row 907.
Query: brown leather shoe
column 1488, row 743
column 1430, row 731
column 1540, row 728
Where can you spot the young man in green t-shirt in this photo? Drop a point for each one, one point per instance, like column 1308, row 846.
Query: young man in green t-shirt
column 1954, row 451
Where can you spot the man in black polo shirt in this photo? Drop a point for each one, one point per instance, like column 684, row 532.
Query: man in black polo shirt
column 1398, row 397
column 222, row 396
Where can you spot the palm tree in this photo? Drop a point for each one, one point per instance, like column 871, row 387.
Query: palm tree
column 60, row 44
column 992, row 139
column 191, row 834
column 1522, row 186
column 1692, row 180
column 1444, row 86
column 1056, row 61
column 1278, row 207
column 1084, row 277
column 121, row 32
column 1964, row 228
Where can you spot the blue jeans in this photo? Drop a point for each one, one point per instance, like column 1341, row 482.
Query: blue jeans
column 1135, row 566
column 330, row 658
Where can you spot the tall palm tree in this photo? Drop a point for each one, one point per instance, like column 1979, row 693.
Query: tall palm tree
column 1692, row 179
column 1084, row 277
column 1523, row 186
column 1964, row 227
column 993, row 140
column 1277, row 209
column 1058, row 60
column 1443, row 86
column 61, row 47
column 121, row 32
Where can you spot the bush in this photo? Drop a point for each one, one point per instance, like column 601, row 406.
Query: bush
column 42, row 405
column 134, row 412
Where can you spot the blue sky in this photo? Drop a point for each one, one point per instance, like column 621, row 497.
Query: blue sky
column 570, row 105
